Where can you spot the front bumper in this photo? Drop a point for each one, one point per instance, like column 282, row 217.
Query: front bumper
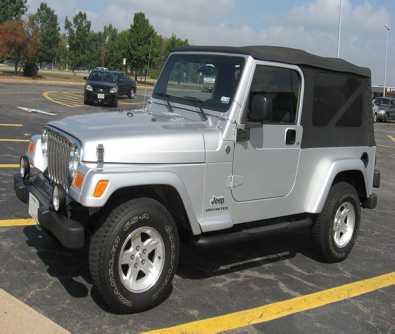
column 109, row 98
column 70, row 233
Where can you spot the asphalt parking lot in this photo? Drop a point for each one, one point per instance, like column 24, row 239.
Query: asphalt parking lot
column 210, row 283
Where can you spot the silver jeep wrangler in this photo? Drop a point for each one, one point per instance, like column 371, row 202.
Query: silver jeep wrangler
column 280, row 139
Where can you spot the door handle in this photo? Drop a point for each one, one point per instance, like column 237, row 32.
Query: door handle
column 290, row 137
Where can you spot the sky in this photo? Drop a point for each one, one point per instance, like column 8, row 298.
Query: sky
column 311, row 25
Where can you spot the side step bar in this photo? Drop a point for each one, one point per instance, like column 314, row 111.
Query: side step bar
column 225, row 238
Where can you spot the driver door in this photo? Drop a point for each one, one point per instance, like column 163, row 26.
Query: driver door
column 266, row 161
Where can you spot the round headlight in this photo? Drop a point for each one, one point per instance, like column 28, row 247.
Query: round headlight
column 24, row 167
column 57, row 198
column 89, row 87
column 44, row 142
column 114, row 90
column 74, row 161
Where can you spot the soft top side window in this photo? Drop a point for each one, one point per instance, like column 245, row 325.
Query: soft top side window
column 279, row 89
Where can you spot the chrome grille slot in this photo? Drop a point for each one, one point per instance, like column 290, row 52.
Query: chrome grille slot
column 59, row 148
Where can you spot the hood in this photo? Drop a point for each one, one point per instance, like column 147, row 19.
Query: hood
column 383, row 107
column 102, row 84
column 139, row 137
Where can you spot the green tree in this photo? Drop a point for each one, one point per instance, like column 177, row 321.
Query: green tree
column 143, row 43
column 166, row 45
column 47, row 23
column 12, row 9
column 110, row 35
column 95, row 50
column 78, row 37
column 172, row 43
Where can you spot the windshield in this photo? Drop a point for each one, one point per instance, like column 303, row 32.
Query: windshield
column 382, row 101
column 207, row 80
column 103, row 76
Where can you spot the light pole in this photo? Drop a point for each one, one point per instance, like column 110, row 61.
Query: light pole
column 388, row 32
column 67, row 56
column 339, row 37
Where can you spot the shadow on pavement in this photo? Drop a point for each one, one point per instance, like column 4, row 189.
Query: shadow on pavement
column 204, row 263
column 72, row 270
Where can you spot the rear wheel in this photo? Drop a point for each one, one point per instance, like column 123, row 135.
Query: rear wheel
column 335, row 229
column 133, row 255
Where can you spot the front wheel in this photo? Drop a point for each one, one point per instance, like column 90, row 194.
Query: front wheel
column 335, row 229
column 132, row 93
column 133, row 255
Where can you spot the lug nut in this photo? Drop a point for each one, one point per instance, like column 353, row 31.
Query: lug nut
column 143, row 261
column 138, row 248
column 136, row 265
column 132, row 257
column 144, row 251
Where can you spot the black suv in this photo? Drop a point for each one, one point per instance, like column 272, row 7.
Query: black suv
column 384, row 109
column 104, row 87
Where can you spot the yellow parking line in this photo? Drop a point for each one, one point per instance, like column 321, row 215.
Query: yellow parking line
column 17, row 222
column 14, row 140
column 9, row 166
column 11, row 125
column 54, row 100
column 392, row 138
column 281, row 309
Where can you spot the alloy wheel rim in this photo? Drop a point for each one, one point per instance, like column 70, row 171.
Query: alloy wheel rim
column 141, row 259
column 344, row 224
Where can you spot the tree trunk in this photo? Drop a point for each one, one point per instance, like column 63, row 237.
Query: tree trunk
column 16, row 67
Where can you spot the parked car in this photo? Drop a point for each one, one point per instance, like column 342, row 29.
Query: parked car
column 282, row 142
column 384, row 109
column 104, row 87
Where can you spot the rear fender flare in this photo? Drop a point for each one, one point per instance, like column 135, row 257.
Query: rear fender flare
column 323, row 178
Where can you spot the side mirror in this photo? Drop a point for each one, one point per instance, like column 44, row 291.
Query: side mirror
column 261, row 108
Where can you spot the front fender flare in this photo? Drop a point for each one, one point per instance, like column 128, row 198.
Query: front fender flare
column 124, row 179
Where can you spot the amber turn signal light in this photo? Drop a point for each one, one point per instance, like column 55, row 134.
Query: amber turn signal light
column 78, row 180
column 101, row 187
column 31, row 147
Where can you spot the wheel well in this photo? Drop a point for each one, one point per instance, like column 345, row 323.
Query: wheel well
column 355, row 178
column 165, row 194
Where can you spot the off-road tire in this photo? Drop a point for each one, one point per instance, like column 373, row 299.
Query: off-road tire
column 322, row 230
column 106, row 244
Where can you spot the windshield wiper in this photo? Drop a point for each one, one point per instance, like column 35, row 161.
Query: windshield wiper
column 166, row 98
column 197, row 103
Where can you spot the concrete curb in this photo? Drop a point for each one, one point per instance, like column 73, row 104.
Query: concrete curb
column 17, row 317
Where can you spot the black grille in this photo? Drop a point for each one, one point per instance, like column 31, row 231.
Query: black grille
column 101, row 90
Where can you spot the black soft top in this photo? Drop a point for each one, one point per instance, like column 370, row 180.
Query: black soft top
column 285, row 55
